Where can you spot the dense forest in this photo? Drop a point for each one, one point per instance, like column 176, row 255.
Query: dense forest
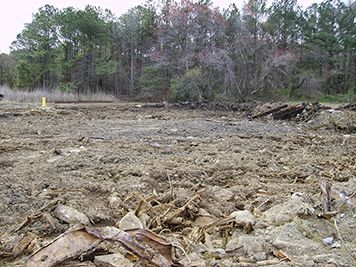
column 188, row 50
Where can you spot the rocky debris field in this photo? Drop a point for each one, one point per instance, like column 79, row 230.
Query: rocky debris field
column 144, row 185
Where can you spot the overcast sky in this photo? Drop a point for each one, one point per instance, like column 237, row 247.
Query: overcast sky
column 15, row 13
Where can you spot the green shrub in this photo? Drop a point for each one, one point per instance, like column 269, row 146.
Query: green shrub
column 188, row 87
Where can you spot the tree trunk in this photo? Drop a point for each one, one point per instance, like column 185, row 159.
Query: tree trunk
column 131, row 72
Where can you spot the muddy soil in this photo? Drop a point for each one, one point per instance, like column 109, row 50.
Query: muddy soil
column 86, row 154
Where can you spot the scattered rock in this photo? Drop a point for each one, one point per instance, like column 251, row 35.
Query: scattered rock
column 129, row 222
column 342, row 192
column 328, row 240
column 336, row 244
column 71, row 215
column 112, row 260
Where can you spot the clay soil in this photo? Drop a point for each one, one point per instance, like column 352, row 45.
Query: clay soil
column 84, row 154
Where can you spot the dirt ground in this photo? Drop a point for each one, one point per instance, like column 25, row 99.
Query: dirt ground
column 93, row 156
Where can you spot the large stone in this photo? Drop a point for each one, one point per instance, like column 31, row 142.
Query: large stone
column 221, row 194
column 246, row 245
column 70, row 215
column 243, row 217
column 290, row 239
column 284, row 213
column 112, row 260
column 129, row 222
column 219, row 200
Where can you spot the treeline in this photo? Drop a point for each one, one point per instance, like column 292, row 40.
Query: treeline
column 188, row 50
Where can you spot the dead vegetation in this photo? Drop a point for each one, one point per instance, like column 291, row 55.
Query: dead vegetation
column 54, row 95
column 147, row 185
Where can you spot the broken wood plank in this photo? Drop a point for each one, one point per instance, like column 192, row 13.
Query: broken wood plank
column 67, row 246
column 128, row 241
column 326, row 199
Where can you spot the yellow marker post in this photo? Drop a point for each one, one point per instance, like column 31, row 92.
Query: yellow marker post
column 44, row 102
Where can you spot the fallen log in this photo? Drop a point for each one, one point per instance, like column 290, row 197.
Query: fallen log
column 263, row 114
column 289, row 113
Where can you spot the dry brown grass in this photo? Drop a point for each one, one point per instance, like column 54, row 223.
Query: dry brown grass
column 15, row 95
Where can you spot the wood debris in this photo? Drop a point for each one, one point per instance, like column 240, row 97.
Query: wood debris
column 302, row 112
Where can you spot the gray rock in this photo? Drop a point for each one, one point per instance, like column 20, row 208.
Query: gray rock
column 284, row 213
column 289, row 238
column 243, row 217
column 71, row 215
column 217, row 253
column 115, row 201
column 232, row 245
column 328, row 240
column 112, row 260
column 246, row 245
column 336, row 244
column 260, row 256
column 341, row 191
column 222, row 194
column 129, row 222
